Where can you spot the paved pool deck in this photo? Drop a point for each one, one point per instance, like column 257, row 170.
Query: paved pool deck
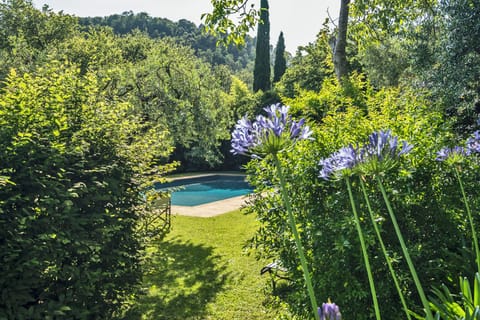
column 210, row 209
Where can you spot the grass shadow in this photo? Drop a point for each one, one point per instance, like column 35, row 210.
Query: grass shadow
column 183, row 278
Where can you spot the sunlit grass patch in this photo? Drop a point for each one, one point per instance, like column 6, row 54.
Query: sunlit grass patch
column 200, row 271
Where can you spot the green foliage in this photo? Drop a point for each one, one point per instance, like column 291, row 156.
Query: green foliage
column 384, row 62
column 280, row 65
column 167, row 85
column 332, row 97
column 307, row 70
column 95, row 51
column 173, row 88
column 25, row 32
column 430, row 43
column 128, row 21
column 388, row 17
column 80, row 138
column 220, row 23
column 20, row 20
column 261, row 71
column 455, row 75
column 468, row 306
column 433, row 236
column 77, row 161
column 183, row 31
column 166, row 82
column 242, row 100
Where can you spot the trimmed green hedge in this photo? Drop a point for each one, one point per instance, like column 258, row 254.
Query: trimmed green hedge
column 69, row 246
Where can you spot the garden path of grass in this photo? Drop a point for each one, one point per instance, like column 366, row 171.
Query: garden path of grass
column 201, row 272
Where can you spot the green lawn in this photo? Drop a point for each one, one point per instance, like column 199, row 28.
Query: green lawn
column 200, row 271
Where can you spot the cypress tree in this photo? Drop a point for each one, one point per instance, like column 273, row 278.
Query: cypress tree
column 261, row 72
column 280, row 62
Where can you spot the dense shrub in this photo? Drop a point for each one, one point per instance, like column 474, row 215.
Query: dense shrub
column 430, row 222
column 76, row 161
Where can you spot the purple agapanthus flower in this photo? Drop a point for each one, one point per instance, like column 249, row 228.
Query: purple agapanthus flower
column 339, row 162
column 473, row 143
column 454, row 153
column 382, row 145
column 268, row 134
column 382, row 152
column 329, row 311
column 378, row 154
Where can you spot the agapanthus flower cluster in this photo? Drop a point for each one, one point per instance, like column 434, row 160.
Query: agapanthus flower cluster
column 340, row 162
column 453, row 154
column 268, row 135
column 379, row 154
column 456, row 154
column 382, row 145
column 473, row 143
column 329, row 311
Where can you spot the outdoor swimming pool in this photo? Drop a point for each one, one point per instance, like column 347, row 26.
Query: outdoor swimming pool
column 201, row 190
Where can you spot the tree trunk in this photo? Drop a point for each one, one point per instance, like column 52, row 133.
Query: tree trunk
column 340, row 53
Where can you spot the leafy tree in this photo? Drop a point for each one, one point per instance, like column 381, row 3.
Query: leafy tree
column 165, row 82
column 20, row 20
column 95, row 50
column 183, row 31
column 185, row 94
column 173, row 88
column 280, row 65
column 308, row 69
column 242, row 100
column 372, row 21
column 25, row 32
column 385, row 63
column 454, row 74
column 377, row 18
column 220, row 24
column 261, row 71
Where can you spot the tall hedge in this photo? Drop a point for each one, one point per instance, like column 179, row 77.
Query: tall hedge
column 69, row 247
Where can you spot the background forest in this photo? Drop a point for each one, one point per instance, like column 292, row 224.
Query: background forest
column 94, row 110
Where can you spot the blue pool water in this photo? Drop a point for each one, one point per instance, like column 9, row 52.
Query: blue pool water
column 196, row 191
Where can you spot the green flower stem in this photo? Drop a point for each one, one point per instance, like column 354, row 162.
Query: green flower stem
column 293, row 225
column 425, row 303
column 469, row 212
column 385, row 253
column 364, row 251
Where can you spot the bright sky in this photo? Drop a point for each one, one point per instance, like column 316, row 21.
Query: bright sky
column 300, row 20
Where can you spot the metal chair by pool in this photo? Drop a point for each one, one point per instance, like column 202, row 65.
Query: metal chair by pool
column 157, row 220
column 276, row 271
